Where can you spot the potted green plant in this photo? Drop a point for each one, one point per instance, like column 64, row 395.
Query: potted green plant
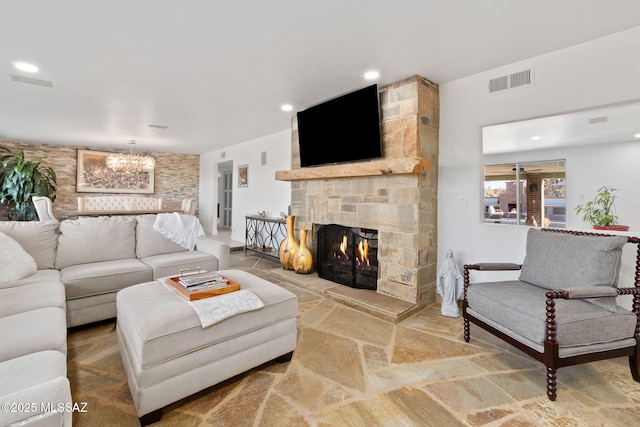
column 599, row 212
column 22, row 179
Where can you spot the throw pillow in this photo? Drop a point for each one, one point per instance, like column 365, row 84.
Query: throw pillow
column 16, row 262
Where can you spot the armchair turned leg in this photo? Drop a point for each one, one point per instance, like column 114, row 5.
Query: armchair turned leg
column 634, row 364
column 551, row 383
column 467, row 332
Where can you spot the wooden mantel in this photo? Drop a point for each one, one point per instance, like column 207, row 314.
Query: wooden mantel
column 415, row 165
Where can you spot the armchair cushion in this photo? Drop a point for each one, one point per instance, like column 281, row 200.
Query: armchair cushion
column 521, row 307
column 561, row 261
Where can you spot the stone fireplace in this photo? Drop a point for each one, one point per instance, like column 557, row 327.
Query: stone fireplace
column 395, row 195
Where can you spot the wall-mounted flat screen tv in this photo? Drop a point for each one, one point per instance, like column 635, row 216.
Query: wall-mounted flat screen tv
column 340, row 130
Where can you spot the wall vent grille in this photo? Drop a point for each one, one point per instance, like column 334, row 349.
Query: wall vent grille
column 511, row 81
column 28, row 80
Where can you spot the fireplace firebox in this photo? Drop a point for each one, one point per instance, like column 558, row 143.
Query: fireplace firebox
column 348, row 255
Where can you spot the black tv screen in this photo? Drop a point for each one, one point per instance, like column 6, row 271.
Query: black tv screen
column 340, row 130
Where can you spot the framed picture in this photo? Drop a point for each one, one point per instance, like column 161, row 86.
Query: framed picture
column 94, row 176
column 243, row 176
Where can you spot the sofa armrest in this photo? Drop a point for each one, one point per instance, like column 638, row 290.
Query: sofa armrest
column 218, row 249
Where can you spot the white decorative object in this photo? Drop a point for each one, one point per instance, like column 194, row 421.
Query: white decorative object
column 16, row 262
column 180, row 228
column 215, row 309
column 450, row 286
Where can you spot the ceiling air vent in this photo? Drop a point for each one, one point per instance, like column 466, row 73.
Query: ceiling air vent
column 511, row 81
column 27, row 80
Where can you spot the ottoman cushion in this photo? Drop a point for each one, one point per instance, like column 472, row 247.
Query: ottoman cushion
column 160, row 325
column 168, row 355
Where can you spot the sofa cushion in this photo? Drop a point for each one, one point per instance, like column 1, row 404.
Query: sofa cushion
column 16, row 262
column 560, row 261
column 38, row 238
column 103, row 277
column 521, row 307
column 87, row 240
column 31, row 297
column 171, row 264
column 37, row 277
column 149, row 242
column 38, row 378
column 31, row 331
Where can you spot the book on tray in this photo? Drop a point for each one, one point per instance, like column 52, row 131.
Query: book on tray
column 206, row 280
column 202, row 285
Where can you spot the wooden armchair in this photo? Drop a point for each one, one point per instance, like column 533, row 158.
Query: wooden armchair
column 561, row 311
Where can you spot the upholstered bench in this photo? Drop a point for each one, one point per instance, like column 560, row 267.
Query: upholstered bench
column 168, row 355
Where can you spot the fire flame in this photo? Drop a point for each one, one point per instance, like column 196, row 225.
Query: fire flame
column 363, row 252
column 343, row 246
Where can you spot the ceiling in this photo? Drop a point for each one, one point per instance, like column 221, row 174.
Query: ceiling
column 216, row 73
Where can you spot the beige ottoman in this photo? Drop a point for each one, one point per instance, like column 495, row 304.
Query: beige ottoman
column 168, row 355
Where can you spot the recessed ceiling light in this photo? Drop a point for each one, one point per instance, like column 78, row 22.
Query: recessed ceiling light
column 637, row 135
column 371, row 75
column 535, row 138
column 25, row 66
column 286, row 107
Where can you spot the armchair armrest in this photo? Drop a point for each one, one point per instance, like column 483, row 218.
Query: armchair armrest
column 485, row 266
column 218, row 249
column 591, row 292
column 493, row 266
column 488, row 266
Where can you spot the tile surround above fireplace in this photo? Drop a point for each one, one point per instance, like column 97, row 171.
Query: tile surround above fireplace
column 401, row 206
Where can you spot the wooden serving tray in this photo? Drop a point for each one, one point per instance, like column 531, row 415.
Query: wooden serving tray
column 203, row 293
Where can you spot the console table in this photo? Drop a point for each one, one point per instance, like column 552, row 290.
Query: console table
column 264, row 234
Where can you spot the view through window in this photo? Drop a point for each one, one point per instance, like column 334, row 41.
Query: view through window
column 531, row 193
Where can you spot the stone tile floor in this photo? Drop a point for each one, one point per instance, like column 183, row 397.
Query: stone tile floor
column 352, row 369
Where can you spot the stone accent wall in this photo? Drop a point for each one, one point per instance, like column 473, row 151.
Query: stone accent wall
column 403, row 208
column 177, row 176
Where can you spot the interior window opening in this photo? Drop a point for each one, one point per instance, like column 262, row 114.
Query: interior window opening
column 531, row 193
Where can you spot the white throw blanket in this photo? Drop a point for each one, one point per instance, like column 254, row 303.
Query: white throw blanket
column 215, row 309
column 180, row 228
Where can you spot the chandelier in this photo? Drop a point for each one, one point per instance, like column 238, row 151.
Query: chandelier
column 130, row 162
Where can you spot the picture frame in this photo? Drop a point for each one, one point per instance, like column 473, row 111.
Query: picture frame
column 243, row 176
column 94, row 176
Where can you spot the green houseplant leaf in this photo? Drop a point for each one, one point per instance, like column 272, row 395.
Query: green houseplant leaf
column 20, row 180
column 599, row 211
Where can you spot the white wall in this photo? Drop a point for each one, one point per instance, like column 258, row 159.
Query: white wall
column 599, row 72
column 263, row 193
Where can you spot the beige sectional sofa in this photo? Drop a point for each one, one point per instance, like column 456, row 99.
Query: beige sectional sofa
column 78, row 268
